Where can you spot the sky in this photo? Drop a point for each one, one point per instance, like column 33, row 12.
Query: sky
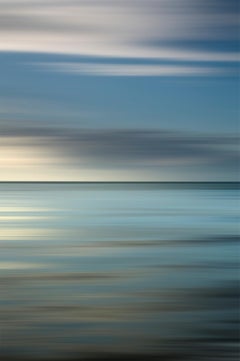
column 119, row 90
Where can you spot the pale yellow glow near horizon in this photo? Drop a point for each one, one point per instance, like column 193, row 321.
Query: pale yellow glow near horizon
column 22, row 160
column 26, row 159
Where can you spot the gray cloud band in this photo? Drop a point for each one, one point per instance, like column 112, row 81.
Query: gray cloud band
column 130, row 147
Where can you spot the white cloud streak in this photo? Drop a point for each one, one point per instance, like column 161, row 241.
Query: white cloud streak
column 129, row 69
column 115, row 28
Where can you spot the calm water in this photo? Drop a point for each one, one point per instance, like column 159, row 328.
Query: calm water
column 143, row 269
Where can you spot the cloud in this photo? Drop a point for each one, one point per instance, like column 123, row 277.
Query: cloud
column 143, row 29
column 129, row 69
column 149, row 148
column 119, row 149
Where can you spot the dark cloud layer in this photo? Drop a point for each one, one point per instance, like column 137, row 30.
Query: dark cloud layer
column 127, row 148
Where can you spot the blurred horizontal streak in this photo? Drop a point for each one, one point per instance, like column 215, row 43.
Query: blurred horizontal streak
column 18, row 266
column 116, row 28
column 104, row 276
column 81, row 251
column 68, row 276
column 26, row 209
column 120, row 52
column 21, row 234
column 198, row 266
column 130, row 69
column 88, row 153
column 23, row 218
column 169, row 243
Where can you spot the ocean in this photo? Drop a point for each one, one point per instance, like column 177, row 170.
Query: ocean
column 107, row 270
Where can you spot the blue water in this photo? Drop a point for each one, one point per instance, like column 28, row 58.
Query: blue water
column 141, row 269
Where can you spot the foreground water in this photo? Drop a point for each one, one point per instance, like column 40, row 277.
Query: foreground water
column 119, row 269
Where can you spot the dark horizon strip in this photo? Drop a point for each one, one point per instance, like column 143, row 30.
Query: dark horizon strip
column 127, row 182
column 113, row 185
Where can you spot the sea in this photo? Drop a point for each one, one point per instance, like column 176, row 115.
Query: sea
column 119, row 271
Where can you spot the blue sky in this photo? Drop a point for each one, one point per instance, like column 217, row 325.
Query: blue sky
column 119, row 90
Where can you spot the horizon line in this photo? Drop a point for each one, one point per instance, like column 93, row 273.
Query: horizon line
column 95, row 182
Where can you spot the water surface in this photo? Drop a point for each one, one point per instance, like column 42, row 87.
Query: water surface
column 89, row 269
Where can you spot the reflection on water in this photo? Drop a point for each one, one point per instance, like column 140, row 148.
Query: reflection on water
column 119, row 270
